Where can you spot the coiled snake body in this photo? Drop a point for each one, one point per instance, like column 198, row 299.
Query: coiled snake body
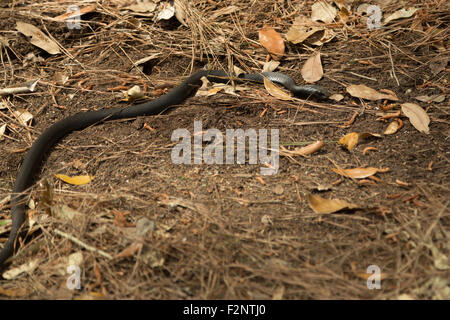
column 82, row 120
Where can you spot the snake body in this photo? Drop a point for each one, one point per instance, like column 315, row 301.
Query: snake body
column 79, row 121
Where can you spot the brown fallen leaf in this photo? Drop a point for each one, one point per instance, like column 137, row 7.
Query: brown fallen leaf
column 75, row 180
column 38, row 38
column 276, row 91
column 271, row 40
column 364, row 92
column 356, row 173
column 349, row 140
column 418, row 117
column 312, row 69
column 322, row 205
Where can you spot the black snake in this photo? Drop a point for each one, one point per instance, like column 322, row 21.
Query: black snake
column 79, row 121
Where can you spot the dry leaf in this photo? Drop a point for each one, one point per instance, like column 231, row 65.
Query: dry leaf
column 276, row 91
column 356, row 173
column 180, row 12
column 392, row 127
column 75, row 180
column 142, row 6
column 23, row 116
column 435, row 98
column 312, row 69
column 271, row 40
column 336, row 97
column 24, row 268
column 323, row 11
column 418, row 117
column 349, row 140
column 38, row 38
column 166, row 13
column 364, row 92
column 322, row 205
column 133, row 94
column 402, row 13
column 2, row 130
column 301, row 30
column 270, row 66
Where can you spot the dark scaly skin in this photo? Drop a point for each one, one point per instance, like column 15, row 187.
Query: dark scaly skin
column 35, row 155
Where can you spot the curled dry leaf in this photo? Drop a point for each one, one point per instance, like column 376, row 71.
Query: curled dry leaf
column 133, row 94
column 364, row 92
column 271, row 40
column 322, row 205
column 311, row 148
column 38, row 38
column 392, row 128
column 323, row 11
column 304, row 151
column 356, row 173
column 301, row 30
column 312, row 69
column 270, row 66
column 75, row 180
column 349, row 140
column 276, row 91
column 2, row 130
column 167, row 12
column 418, row 117
column 402, row 13
column 23, row 116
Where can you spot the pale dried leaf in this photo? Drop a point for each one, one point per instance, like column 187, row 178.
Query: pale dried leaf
column 322, row 205
column 24, row 268
column 312, row 69
column 38, row 38
column 356, row 173
column 23, row 116
column 276, row 91
column 166, row 13
column 323, row 11
column 180, row 12
column 435, row 98
column 336, row 97
column 2, row 130
column 364, row 92
column 402, row 13
column 142, row 6
column 418, row 117
column 270, row 66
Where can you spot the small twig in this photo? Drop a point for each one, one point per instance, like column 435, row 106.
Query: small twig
column 392, row 64
column 82, row 244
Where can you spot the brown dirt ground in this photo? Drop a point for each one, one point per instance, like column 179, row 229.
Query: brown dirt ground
column 224, row 231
